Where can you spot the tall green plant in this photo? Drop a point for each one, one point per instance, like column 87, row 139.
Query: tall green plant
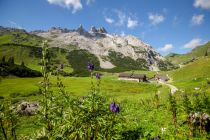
column 67, row 117
column 173, row 108
column 8, row 121
column 46, row 116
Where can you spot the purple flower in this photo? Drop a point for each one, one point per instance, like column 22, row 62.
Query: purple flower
column 114, row 108
column 90, row 66
column 98, row 76
column 117, row 109
column 61, row 66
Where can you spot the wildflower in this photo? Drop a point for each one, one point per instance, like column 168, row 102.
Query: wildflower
column 98, row 76
column 90, row 66
column 163, row 130
column 117, row 109
column 61, row 66
column 114, row 108
column 157, row 138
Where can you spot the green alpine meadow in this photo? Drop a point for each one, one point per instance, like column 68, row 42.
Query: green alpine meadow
column 104, row 70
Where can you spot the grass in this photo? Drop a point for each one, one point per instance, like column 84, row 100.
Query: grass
column 129, row 94
column 120, row 91
column 31, row 56
column 20, row 37
column 80, row 86
column 20, row 54
column 192, row 75
column 137, row 99
column 195, row 53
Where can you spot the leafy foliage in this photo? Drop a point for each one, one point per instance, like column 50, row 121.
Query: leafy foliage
column 126, row 63
column 66, row 117
column 165, row 65
column 8, row 121
column 78, row 59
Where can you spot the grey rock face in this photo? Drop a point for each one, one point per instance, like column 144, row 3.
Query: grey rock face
column 93, row 29
column 98, row 42
column 102, row 30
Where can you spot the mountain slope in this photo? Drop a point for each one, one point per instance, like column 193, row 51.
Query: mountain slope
column 100, row 43
column 199, row 51
column 26, row 47
column 75, row 48
column 193, row 74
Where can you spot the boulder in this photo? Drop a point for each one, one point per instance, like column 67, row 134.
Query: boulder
column 27, row 108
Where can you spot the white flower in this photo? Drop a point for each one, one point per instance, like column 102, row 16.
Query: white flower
column 163, row 130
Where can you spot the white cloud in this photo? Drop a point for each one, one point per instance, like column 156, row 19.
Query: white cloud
column 197, row 19
column 109, row 20
column 118, row 17
column 205, row 4
column 75, row 5
column 166, row 48
column 193, row 43
column 121, row 18
column 156, row 18
column 132, row 23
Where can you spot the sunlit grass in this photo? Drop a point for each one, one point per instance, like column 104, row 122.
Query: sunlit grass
column 80, row 86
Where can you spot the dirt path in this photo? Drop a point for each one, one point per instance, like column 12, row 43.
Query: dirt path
column 172, row 87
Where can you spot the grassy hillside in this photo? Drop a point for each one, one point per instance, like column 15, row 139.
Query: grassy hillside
column 20, row 45
column 19, row 38
column 185, row 58
column 25, row 47
column 192, row 75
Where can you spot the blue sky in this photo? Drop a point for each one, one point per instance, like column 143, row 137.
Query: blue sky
column 167, row 25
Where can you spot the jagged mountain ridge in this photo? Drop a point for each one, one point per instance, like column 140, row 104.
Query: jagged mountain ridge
column 100, row 43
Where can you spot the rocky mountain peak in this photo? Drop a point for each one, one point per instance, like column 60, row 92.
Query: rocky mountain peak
column 98, row 42
column 101, row 30
column 80, row 30
column 58, row 30
column 93, row 29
